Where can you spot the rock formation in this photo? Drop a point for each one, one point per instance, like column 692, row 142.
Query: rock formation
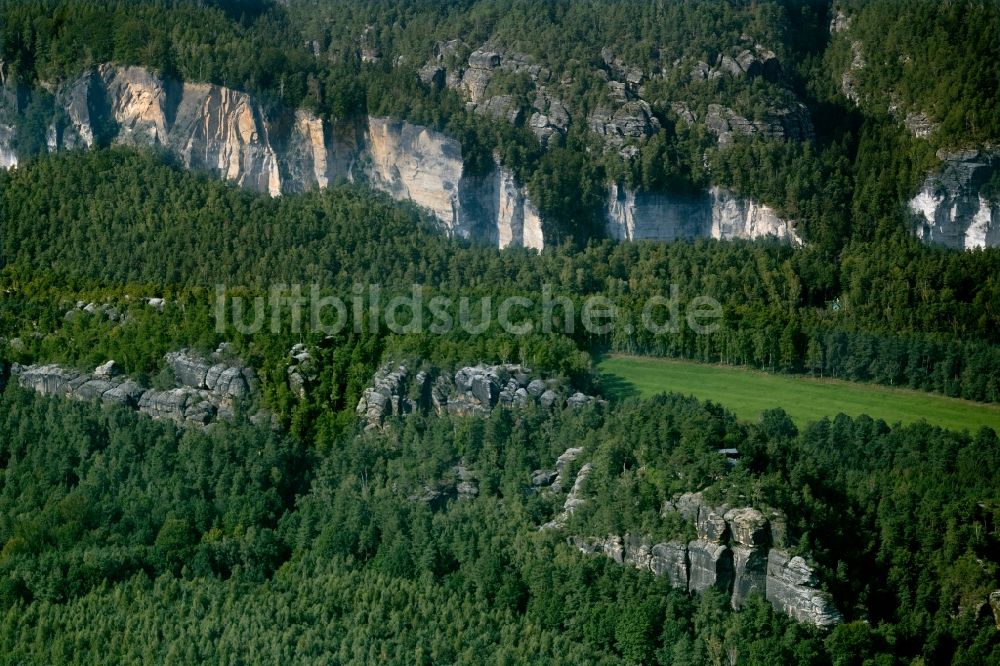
column 791, row 122
column 738, row 551
column 719, row 214
column 574, row 499
column 228, row 133
column 205, row 391
column 954, row 207
column 750, row 541
column 472, row 390
column 301, row 371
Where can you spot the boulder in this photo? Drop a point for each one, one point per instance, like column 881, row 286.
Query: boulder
column 748, row 527
column 700, row 71
column 189, row 370
column 168, row 404
column 126, row 394
column 92, row 389
column 728, row 65
column 579, row 400
column 108, row 370
column 549, row 399
column 484, row 59
column 232, row 384
column 536, row 387
column 711, row 525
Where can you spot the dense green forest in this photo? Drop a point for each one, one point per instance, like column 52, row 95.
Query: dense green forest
column 111, row 223
column 114, row 524
column 125, row 539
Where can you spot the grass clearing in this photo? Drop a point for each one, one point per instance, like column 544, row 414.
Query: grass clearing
column 747, row 393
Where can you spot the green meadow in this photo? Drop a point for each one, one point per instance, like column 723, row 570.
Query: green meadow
column 747, row 393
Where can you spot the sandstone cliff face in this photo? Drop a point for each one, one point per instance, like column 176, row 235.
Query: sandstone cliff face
column 227, row 133
column 719, row 214
column 208, row 127
column 952, row 207
column 424, row 166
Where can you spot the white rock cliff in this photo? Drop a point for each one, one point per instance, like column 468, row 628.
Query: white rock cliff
column 227, row 133
column 719, row 214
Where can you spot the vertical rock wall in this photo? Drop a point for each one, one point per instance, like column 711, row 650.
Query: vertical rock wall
column 717, row 213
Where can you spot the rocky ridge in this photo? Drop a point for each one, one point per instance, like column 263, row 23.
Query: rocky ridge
column 206, row 390
column 470, row 391
column 738, row 551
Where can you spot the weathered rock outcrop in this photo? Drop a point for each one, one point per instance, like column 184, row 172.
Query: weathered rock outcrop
column 953, row 205
column 719, row 214
column 228, row 133
column 994, row 601
column 301, row 370
column 205, row 391
column 473, row 390
column 8, row 157
column 574, row 500
column 791, row 588
column 663, row 559
column 737, row 551
column 750, row 540
column 631, row 120
column 791, row 122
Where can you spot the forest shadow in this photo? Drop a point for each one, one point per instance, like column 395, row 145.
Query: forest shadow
column 617, row 388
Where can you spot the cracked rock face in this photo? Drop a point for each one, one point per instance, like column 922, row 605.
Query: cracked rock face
column 228, row 133
column 792, row 122
column 790, row 589
column 632, row 120
column 953, row 207
column 711, row 566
